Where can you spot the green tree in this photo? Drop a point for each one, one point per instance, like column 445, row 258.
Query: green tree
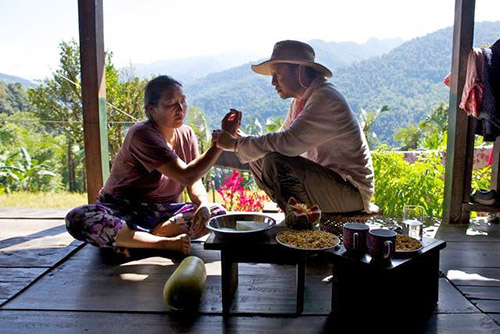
column 254, row 128
column 58, row 103
column 13, row 97
column 125, row 102
column 367, row 119
column 196, row 119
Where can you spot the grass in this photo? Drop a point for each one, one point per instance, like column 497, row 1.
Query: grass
column 61, row 199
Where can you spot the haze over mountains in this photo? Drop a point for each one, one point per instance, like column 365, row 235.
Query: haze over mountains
column 9, row 79
column 408, row 79
column 406, row 76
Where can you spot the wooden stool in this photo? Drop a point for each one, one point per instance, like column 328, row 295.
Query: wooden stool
column 334, row 222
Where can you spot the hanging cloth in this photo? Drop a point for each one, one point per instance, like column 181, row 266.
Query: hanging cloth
column 489, row 114
column 474, row 87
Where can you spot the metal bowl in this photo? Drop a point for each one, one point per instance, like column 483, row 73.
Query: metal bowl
column 240, row 225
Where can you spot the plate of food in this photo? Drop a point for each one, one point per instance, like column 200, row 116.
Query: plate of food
column 307, row 239
column 407, row 245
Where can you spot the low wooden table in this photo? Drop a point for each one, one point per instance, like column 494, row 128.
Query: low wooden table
column 264, row 249
column 406, row 289
column 358, row 285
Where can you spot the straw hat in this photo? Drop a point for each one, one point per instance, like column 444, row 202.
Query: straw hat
column 291, row 52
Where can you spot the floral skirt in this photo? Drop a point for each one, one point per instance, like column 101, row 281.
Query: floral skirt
column 99, row 223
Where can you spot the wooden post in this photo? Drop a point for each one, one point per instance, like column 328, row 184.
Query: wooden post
column 90, row 14
column 459, row 129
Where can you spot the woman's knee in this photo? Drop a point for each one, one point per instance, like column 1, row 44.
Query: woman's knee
column 87, row 223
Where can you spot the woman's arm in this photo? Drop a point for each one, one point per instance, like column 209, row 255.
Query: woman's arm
column 197, row 193
column 188, row 174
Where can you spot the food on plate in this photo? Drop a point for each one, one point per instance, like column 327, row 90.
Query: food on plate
column 299, row 216
column 405, row 243
column 307, row 239
column 184, row 287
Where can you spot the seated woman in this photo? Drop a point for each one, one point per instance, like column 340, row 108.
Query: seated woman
column 139, row 206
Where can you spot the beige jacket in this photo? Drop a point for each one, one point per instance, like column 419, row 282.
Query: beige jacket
column 326, row 132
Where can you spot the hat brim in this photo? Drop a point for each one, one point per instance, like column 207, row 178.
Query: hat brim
column 264, row 68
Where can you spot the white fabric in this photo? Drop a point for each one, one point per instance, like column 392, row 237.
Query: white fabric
column 325, row 132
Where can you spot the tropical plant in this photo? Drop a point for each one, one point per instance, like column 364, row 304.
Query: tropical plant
column 367, row 119
column 273, row 124
column 409, row 137
column 19, row 172
column 57, row 101
column 254, row 128
column 398, row 182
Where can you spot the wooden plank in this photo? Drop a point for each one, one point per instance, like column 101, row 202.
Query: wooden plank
column 480, row 207
column 495, row 180
column 458, row 128
column 13, row 280
column 29, row 213
column 452, row 301
column 34, row 243
column 459, row 255
column 479, row 232
column 481, row 292
column 461, row 323
column 465, row 277
column 28, row 322
column 90, row 281
column 90, row 15
column 43, row 322
column 495, row 317
column 488, row 306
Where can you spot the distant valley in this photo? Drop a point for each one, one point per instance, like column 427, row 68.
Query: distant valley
column 405, row 75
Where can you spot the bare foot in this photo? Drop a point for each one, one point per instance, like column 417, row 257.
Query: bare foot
column 180, row 243
column 170, row 229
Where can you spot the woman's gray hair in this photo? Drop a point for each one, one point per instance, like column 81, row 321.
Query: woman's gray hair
column 154, row 90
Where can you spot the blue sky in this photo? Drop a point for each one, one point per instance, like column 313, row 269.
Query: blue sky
column 143, row 31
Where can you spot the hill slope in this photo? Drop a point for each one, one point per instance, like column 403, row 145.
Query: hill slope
column 408, row 79
column 8, row 79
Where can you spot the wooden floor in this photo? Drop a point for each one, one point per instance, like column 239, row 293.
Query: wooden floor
column 50, row 283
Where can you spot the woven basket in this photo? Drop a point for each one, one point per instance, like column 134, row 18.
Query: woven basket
column 334, row 222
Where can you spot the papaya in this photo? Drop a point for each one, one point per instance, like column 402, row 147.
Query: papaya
column 184, row 288
column 299, row 216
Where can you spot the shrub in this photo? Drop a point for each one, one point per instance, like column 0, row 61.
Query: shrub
column 398, row 182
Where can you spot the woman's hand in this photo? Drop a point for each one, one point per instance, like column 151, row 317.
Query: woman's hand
column 231, row 122
column 201, row 215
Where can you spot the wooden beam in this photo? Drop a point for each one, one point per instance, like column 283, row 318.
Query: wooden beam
column 459, row 128
column 90, row 14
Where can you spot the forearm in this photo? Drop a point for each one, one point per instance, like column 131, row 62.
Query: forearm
column 197, row 193
column 201, row 165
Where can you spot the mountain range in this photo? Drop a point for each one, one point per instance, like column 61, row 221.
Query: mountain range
column 406, row 76
column 408, row 79
column 7, row 79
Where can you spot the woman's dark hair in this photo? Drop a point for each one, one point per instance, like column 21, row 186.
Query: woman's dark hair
column 155, row 88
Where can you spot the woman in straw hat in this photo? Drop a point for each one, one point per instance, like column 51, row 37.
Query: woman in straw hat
column 320, row 155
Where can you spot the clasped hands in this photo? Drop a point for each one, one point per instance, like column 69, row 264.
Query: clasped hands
column 226, row 137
